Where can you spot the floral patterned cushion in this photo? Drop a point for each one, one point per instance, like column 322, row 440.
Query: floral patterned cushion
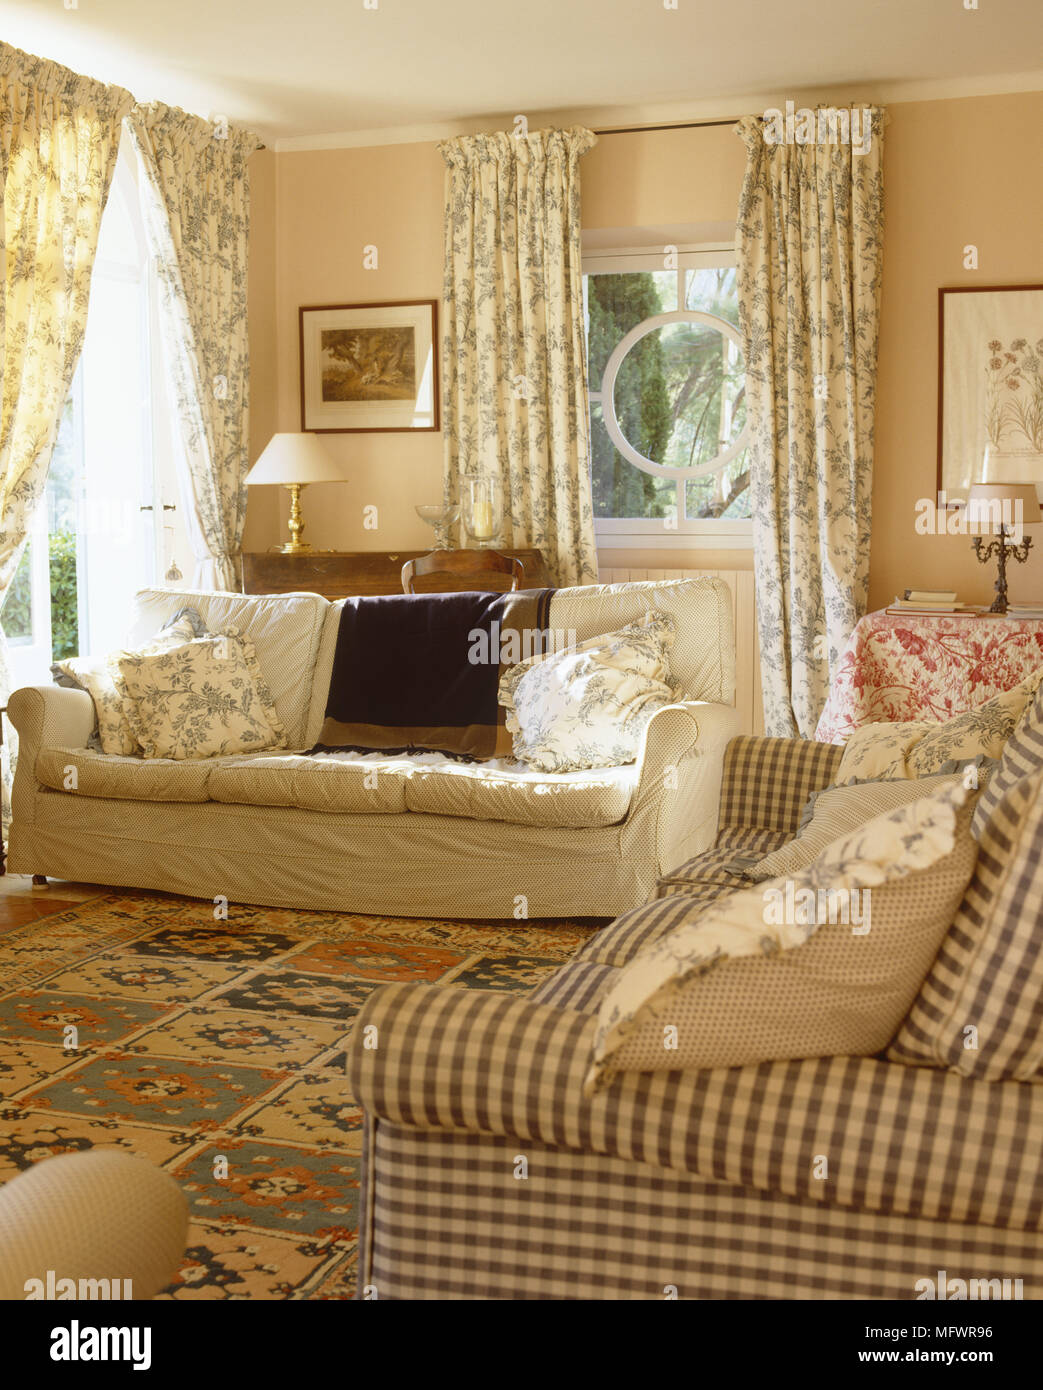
column 587, row 706
column 922, row 747
column 99, row 676
column 824, row 963
column 206, row 698
column 837, row 811
column 1022, row 757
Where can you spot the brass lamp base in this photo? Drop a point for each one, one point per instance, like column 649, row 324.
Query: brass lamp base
column 295, row 546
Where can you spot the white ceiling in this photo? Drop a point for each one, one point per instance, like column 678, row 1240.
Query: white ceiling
column 300, row 70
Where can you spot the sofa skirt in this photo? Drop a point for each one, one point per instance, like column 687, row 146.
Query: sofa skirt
column 445, row 1216
column 408, row 864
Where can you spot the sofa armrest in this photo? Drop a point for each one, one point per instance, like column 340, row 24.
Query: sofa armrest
column 686, row 729
column 680, row 760
column 767, row 782
column 44, row 716
column 51, row 716
column 485, row 1062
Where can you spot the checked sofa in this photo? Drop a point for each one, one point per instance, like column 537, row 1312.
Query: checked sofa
column 488, row 1173
column 427, row 836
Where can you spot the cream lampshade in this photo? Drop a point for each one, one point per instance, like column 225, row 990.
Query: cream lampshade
column 1002, row 509
column 294, row 461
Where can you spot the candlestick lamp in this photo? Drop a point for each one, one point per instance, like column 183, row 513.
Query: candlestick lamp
column 294, row 461
column 1002, row 508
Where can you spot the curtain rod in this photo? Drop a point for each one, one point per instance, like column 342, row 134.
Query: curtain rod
column 680, row 125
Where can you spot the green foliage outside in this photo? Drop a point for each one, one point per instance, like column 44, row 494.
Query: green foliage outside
column 17, row 612
column 679, row 395
column 65, row 640
column 616, row 304
column 17, row 609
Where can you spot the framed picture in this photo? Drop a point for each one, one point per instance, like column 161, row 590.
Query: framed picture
column 369, row 367
column 990, row 387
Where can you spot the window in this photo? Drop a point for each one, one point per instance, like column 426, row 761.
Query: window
column 109, row 522
column 667, row 398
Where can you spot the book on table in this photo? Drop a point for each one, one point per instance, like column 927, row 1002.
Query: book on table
column 909, row 612
column 912, row 603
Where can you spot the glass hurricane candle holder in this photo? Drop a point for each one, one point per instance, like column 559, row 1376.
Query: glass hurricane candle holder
column 483, row 511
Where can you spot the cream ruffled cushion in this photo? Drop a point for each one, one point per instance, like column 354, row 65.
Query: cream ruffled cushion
column 781, row 970
column 204, row 699
column 588, row 706
column 921, row 747
column 99, row 676
column 838, row 811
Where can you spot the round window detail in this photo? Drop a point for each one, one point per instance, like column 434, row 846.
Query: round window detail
column 704, row 427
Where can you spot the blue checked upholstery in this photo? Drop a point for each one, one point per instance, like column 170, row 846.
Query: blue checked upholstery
column 829, row 1177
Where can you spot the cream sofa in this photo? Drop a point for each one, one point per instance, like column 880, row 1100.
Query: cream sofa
column 426, row 835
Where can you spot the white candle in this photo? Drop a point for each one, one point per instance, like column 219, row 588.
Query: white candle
column 482, row 520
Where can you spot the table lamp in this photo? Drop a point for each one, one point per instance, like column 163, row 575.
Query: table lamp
column 1001, row 508
column 294, row 461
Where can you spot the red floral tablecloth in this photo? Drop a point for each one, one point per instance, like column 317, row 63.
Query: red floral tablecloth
column 902, row 668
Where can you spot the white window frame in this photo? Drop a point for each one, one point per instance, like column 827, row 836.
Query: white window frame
column 632, row 533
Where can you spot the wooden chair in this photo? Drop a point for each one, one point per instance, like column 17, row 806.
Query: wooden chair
column 462, row 564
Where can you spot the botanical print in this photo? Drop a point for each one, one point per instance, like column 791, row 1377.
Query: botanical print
column 589, row 706
column 369, row 366
column 1014, row 393
column 100, row 677
column 374, row 365
column 195, row 185
column 204, row 699
column 515, row 379
column 921, row 747
column 992, row 387
column 810, row 248
column 900, row 669
column 891, row 846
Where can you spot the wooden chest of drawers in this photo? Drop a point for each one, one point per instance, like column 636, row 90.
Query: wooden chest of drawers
column 340, row 574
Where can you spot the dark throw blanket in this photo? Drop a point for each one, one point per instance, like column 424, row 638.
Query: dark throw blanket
column 419, row 673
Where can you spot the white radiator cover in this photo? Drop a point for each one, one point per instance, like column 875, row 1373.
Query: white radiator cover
column 749, row 700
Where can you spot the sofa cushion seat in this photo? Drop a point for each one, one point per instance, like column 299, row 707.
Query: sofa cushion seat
column 369, row 786
column 362, row 783
column 91, row 773
column 247, row 779
column 512, row 792
column 733, row 845
column 578, row 985
column 636, row 930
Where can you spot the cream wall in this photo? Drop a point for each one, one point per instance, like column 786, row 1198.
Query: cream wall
column 956, row 172
column 328, row 205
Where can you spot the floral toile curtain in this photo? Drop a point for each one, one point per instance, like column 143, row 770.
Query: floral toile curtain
column 515, row 378
column 195, row 195
column 59, row 137
column 810, row 247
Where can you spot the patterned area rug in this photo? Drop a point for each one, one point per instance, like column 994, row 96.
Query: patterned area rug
column 137, row 1021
